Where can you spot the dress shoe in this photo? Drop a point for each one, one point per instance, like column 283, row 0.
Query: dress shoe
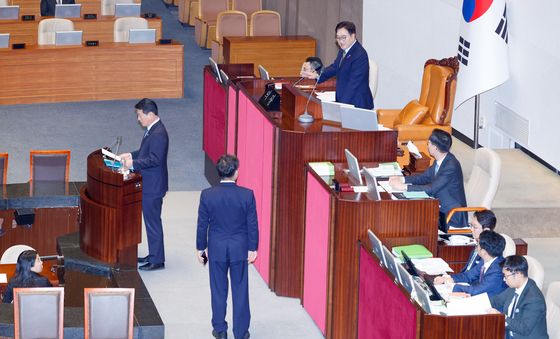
column 151, row 267
column 219, row 335
column 143, row 260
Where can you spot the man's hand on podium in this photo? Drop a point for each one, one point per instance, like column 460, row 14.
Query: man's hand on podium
column 126, row 160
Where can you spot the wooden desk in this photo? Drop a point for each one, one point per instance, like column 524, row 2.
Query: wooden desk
column 100, row 29
column 334, row 222
column 281, row 56
column 33, row 7
column 110, row 71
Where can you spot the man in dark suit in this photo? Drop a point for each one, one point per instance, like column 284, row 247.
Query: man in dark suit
column 523, row 303
column 443, row 180
column 351, row 68
column 48, row 6
column 486, row 276
column 228, row 235
column 151, row 161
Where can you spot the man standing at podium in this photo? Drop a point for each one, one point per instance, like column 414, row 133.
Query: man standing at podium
column 151, row 161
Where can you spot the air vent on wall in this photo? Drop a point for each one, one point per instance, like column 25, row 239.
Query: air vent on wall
column 512, row 124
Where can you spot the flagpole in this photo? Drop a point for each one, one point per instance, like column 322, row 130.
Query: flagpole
column 476, row 119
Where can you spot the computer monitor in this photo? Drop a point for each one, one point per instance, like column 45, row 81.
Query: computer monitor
column 358, row 118
column 142, row 36
column 263, row 73
column 414, row 271
column 376, row 245
column 405, row 278
column 127, row 10
column 4, row 40
column 67, row 10
column 331, row 110
column 371, row 183
column 9, row 12
column 215, row 69
column 224, row 76
column 390, row 263
column 68, row 38
column 353, row 167
column 422, row 297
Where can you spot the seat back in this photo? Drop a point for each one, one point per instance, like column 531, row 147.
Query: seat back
column 49, row 165
column 12, row 253
column 536, row 270
column 510, row 248
column 247, row 6
column 48, row 27
column 373, row 70
column 208, row 10
column 108, row 313
column 484, row 179
column 231, row 23
column 265, row 23
column 39, row 312
column 3, row 168
column 553, row 310
column 123, row 26
column 438, row 90
column 108, row 6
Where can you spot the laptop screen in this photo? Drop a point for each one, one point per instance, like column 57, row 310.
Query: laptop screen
column 67, row 10
column 122, row 10
column 9, row 12
column 358, row 118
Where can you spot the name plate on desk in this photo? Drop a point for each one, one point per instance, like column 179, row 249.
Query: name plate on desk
column 270, row 100
column 28, row 17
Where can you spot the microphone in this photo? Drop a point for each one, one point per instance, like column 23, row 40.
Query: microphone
column 307, row 118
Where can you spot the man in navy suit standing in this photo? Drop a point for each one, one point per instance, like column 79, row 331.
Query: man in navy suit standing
column 443, row 180
column 151, row 161
column 228, row 235
column 351, row 68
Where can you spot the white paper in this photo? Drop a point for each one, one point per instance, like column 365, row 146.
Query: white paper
column 459, row 240
column 326, row 96
column 360, row 189
column 432, row 266
column 413, row 149
column 477, row 304
column 3, row 278
column 385, row 185
column 110, row 154
column 385, row 170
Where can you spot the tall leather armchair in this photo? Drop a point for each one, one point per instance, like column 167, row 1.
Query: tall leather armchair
column 433, row 109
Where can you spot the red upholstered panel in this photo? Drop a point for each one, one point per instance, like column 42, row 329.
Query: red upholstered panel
column 383, row 309
column 231, row 120
column 214, row 131
column 255, row 152
column 317, row 213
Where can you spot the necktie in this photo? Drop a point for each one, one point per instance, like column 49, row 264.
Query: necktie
column 481, row 274
column 145, row 134
column 511, row 311
column 471, row 261
column 437, row 167
column 343, row 55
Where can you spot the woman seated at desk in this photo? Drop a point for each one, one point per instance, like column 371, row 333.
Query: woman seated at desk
column 28, row 267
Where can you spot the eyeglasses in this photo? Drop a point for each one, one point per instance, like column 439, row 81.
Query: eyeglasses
column 509, row 275
column 341, row 38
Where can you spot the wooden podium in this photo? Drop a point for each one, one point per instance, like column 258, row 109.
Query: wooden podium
column 111, row 214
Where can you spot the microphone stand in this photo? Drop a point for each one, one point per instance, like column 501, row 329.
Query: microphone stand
column 307, row 118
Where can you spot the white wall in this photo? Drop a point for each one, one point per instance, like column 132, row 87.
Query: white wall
column 402, row 35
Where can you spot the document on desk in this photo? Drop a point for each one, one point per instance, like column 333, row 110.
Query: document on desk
column 360, row 189
column 326, row 96
column 432, row 266
column 3, row 278
column 385, row 169
column 385, row 185
column 477, row 304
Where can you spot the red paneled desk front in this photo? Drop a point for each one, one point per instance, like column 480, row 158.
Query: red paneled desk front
column 334, row 223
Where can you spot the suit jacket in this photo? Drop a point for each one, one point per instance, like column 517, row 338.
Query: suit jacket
column 492, row 280
column 227, row 222
column 151, row 161
column 48, row 6
column 447, row 186
column 36, row 280
column 352, row 77
column 529, row 320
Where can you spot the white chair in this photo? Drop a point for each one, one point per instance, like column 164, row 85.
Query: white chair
column 536, row 271
column 11, row 255
column 553, row 310
column 124, row 25
column 373, row 76
column 510, row 246
column 108, row 6
column 48, row 27
column 4, row 3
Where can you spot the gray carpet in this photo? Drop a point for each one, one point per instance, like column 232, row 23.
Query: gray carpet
column 85, row 126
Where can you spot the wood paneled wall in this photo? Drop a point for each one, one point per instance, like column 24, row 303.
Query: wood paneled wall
column 318, row 18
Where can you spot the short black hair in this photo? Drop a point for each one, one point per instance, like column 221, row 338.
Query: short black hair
column 492, row 242
column 516, row 263
column 349, row 25
column 315, row 62
column 441, row 139
column 227, row 165
column 486, row 218
column 147, row 105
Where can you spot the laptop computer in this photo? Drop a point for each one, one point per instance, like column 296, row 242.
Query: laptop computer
column 390, row 263
column 358, row 118
column 215, row 69
column 127, row 10
column 376, row 245
column 422, row 297
column 9, row 12
column 142, row 35
column 224, row 76
column 263, row 73
column 405, row 278
column 371, row 183
column 5, row 40
column 353, row 167
column 67, row 10
column 68, row 38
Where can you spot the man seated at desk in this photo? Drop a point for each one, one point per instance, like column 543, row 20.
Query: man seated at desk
column 443, row 180
column 28, row 267
column 481, row 221
column 522, row 303
column 486, row 276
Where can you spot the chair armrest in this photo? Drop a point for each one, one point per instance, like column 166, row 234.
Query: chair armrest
column 463, row 209
column 386, row 117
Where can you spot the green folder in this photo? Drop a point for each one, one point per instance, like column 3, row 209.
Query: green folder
column 415, row 251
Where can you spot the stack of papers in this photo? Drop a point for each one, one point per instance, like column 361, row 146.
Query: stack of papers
column 386, row 169
column 385, row 185
column 323, row 168
column 326, row 96
column 478, row 304
column 459, row 230
column 432, row 266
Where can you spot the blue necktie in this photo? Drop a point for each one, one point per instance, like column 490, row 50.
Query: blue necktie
column 437, row 168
